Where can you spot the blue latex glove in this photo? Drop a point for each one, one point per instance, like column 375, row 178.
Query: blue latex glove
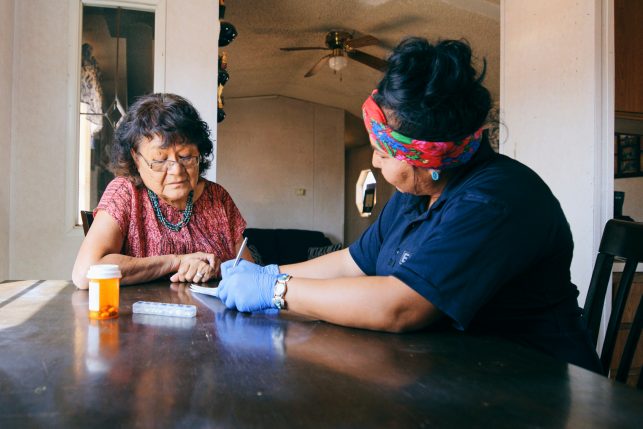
column 247, row 267
column 246, row 291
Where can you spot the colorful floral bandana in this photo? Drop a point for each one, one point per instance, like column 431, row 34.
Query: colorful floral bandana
column 435, row 155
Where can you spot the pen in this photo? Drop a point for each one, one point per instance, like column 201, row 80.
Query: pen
column 243, row 246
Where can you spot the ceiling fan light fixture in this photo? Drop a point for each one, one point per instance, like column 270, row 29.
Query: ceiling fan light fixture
column 342, row 44
column 337, row 62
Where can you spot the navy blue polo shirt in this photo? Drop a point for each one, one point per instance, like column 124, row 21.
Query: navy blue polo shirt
column 493, row 253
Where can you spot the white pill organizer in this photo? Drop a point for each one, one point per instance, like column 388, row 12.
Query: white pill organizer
column 164, row 309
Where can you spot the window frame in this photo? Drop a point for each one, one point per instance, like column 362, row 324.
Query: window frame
column 159, row 7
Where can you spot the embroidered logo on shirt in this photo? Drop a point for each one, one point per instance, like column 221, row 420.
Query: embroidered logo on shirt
column 405, row 257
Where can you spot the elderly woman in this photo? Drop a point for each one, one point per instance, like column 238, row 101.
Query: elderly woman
column 471, row 238
column 159, row 216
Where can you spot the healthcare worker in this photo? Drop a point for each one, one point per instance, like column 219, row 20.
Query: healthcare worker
column 471, row 238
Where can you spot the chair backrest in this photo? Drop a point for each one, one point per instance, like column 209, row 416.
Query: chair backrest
column 88, row 219
column 625, row 240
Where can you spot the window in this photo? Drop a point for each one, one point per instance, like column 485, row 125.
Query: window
column 365, row 193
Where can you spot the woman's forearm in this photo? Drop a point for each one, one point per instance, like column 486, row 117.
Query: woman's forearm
column 141, row 270
column 376, row 303
column 330, row 266
column 136, row 270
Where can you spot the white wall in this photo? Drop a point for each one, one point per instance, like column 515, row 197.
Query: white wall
column 40, row 245
column 270, row 146
column 557, row 66
column 6, row 69
column 191, row 45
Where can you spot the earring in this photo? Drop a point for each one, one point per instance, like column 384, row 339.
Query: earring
column 435, row 175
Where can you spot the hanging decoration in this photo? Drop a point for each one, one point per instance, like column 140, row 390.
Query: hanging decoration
column 116, row 108
column 223, row 66
column 223, row 74
column 227, row 33
column 220, row 111
column 223, row 79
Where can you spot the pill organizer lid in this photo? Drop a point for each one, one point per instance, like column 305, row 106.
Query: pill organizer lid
column 97, row 272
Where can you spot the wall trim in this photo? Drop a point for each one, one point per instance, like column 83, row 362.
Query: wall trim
column 159, row 7
column 629, row 115
column 604, row 153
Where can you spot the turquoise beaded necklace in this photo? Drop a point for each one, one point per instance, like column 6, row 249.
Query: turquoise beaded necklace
column 187, row 214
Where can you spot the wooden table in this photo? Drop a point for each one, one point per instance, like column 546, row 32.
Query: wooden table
column 226, row 369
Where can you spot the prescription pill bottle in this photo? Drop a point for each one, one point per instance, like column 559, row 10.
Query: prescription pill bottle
column 104, row 285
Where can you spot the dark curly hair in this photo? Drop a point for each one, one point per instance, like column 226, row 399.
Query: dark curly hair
column 431, row 91
column 169, row 116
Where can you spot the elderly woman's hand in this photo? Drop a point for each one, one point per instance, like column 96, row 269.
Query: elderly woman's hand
column 197, row 267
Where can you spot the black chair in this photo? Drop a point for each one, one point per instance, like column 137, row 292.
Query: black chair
column 625, row 240
column 88, row 219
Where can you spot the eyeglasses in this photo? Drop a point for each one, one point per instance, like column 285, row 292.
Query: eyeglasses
column 158, row 166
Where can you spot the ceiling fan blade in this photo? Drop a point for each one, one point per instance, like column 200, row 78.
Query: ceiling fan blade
column 362, row 41
column 302, row 49
column 367, row 59
column 318, row 66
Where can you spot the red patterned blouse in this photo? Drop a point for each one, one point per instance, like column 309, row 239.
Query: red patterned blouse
column 215, row 226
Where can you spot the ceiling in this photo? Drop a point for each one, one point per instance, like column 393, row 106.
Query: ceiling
column 257, row 67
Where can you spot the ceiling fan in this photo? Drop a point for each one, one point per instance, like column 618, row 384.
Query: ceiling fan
column 341, row 42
